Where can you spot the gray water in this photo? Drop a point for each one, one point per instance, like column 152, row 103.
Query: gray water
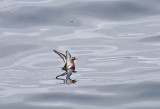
column 116, row 43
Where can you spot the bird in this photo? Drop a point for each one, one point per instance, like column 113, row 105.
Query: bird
column 67, row 59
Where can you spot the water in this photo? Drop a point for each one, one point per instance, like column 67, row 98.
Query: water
column 116, row 43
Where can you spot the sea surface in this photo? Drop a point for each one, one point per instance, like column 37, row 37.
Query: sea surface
column 117, row 43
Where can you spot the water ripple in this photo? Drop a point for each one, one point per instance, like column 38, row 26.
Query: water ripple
column 116, row 43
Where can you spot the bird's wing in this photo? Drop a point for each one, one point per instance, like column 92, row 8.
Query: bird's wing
column 61, row 55
column 68, row 58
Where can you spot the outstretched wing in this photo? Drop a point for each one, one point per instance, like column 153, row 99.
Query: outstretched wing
column 61, row 55
column 68, row 58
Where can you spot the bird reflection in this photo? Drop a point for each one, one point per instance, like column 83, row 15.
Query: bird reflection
column 68, row 74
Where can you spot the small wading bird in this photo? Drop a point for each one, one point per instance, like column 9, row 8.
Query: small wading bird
column 68, row 60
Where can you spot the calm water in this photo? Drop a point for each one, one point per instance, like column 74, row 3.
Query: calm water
column 117, row 43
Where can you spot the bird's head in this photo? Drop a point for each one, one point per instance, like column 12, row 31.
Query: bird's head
column 74, row 58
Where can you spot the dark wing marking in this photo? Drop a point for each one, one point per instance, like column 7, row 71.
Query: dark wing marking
column 61, row 55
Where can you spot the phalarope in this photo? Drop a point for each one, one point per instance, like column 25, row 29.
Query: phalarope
column 68, row 60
